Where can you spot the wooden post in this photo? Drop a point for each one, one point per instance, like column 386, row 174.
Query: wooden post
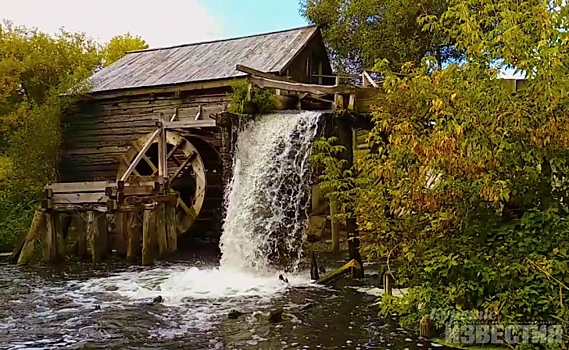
column 335, row 228
column 161, row 231
column 92, row 233
column 49, row 244
column 27, row 252
column 103, row 234
column 172, row 230
column 62, row 228
column 133, row 231
column 121, row 234
column 81, row 231
column 346, row 140
column 148, row 231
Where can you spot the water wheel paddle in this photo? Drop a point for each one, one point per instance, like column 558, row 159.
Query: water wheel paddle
column 186, row 173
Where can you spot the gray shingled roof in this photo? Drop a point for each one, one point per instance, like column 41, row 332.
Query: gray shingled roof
column 270, row 52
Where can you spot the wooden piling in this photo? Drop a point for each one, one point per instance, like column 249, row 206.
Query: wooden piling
column 161, row 231
column 49, row 241
column 148, row 233
column 335, row 228
column 103, row 242
column 134, row 235
column 27, row 252
column 171, row 229
column 121, row 234
column 80, row 226
column 92, row 233
column 62, row 227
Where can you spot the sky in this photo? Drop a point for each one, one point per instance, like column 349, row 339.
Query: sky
column 161, row 23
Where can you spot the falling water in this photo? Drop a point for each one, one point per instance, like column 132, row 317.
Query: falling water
column 264, row 226
column 267, row 198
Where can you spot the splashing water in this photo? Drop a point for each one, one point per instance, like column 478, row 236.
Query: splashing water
column 264, row 225
column 268, row 194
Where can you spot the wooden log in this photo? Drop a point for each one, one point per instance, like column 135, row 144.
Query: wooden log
column 148, row 233
column 351, row 267
column 133, row 232
column 161, row 231
column 38, row 222
column 172, row 232
column 93, row 236
column 121, row 234
column 49, row 241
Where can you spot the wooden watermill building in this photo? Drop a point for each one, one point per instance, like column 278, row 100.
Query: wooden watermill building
column 192, row 82
column 151, row 142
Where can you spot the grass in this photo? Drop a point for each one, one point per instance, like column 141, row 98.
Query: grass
column 5, row 167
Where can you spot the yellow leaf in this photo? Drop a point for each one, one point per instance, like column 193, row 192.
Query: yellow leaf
column 453, row 97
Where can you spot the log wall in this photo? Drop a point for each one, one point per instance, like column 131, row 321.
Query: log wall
column 97, row 132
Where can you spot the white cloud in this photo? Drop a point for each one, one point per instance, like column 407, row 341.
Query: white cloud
column 160, row 23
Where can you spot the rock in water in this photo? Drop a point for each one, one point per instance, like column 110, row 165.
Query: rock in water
column 158, row 299
column 282, row 278
column 234, row 314
column 276, row 316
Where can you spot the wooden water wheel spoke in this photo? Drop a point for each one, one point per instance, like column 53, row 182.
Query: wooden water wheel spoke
column 183, row 165
column 186, row 173
column 174, row 149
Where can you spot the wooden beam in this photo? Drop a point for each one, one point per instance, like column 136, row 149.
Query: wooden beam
column 201, row 123
column 259, row 73
column 367, row 79
column 300, row 87
column 202, row 85
column 139, row 156
column 72, row 187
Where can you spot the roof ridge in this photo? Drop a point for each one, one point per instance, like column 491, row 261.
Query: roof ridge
column 221, row 40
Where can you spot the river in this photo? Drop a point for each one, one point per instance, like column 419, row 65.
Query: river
column 111, row 307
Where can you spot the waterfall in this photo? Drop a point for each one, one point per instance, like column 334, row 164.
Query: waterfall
column 267, row 199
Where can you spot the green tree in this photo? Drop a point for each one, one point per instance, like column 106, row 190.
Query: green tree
column 37, row 73
column 359, row 32
column 466, row 187
column 119, row 45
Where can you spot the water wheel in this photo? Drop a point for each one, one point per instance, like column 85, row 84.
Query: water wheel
column 186, row 173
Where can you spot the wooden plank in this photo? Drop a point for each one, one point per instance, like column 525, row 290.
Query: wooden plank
column 83, row 187
column 163, row 89
column 259, row 73
column 138, row 190
column 79, row 198
column 184, row 124
column 301, row 87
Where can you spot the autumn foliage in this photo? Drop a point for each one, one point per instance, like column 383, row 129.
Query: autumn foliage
column 466, row 187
